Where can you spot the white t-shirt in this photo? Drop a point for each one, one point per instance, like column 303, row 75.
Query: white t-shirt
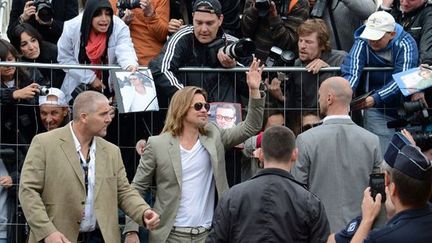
column 198, row 188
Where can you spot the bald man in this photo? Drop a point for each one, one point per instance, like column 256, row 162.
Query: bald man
column 336, row 158
column 73, row 181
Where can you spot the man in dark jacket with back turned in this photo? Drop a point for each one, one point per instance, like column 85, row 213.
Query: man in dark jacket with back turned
column 272, row 206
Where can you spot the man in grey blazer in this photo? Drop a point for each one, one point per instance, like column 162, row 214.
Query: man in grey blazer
column 73, row 181
column 187, row 162
column 336, row 158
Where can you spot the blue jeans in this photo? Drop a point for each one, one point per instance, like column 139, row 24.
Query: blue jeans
column 376, row 122
column 3, row 240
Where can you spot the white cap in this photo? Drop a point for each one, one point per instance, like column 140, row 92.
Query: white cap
column 61, row 101
column 377, row 25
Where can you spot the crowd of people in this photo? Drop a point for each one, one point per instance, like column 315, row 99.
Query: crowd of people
column 302, row 150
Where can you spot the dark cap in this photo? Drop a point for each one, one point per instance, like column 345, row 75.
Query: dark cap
column 207, row 6
column 413, row 163
column 397, row 142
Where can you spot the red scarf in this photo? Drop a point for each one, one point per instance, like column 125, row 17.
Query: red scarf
column 95, row 48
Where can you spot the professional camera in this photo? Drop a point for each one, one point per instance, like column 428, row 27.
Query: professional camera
column 241, row 48
column 415, row 115
column 263, row 7
column 277, row 57
column 44, row 10
column 122, row 5
column 238, row 49
column 43, row 90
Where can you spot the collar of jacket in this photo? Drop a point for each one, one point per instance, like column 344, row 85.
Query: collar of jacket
column 278, row 172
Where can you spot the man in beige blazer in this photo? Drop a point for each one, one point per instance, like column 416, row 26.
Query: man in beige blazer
column 73, row 181
column 187, row 161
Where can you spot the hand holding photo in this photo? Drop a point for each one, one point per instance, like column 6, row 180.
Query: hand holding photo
column 414, row 80
column 135, row 91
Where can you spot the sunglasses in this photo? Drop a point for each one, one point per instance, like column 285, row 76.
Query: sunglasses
column 199, row 105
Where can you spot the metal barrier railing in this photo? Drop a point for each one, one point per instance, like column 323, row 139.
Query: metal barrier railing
column 144, row 124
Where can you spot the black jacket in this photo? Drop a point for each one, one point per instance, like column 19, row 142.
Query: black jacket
column 45, row 76
column 63, row 10
column 184, row 50
column 270, row 207
column 419, row 24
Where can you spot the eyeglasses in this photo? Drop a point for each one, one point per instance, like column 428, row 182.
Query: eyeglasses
column 226, row 118
column 199, row 105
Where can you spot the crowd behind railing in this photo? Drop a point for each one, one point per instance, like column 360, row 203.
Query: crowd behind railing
column 333, row 80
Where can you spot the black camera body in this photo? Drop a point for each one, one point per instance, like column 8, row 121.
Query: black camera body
column 278, row 57
column 238, row 49
column 44, row 10
column 415, row 115
column 43, row 90
column 241, row 48
column 122, row 5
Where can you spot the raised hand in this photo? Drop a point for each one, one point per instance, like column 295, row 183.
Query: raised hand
column 29, row 10
column 253, row 76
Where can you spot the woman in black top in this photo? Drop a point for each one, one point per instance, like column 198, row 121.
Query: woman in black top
column 33, row 48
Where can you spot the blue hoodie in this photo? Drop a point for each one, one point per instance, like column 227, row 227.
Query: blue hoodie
column 402, row 54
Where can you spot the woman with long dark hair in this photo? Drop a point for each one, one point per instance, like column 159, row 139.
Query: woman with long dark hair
column 18, row 119
column 27, row 40
column 95, row 37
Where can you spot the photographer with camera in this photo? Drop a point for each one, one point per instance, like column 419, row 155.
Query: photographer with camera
column 47, row 16
column 148, row 25
column 200, row 45
column 273, row 23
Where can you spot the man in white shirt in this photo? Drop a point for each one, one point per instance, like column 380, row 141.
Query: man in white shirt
column 336, row 158
column 73, row 181
column 187, row 162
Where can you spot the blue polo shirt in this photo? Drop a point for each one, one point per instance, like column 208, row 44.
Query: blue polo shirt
column 412, row 225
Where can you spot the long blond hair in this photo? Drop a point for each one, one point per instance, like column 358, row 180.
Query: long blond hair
column 178, row 108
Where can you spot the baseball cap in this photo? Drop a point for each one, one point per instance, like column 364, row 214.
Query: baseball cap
column 377, row 25
column 207, row 6
column 61, row 101
column 413, row 163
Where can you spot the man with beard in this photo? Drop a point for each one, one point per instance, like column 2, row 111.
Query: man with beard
column 187, row 163
column 337, row 171
column 314, row 53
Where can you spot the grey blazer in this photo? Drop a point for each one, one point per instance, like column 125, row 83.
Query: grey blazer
column 335, row 160
column 161, row 161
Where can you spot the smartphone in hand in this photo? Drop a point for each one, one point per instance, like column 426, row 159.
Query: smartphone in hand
column 377, row 185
